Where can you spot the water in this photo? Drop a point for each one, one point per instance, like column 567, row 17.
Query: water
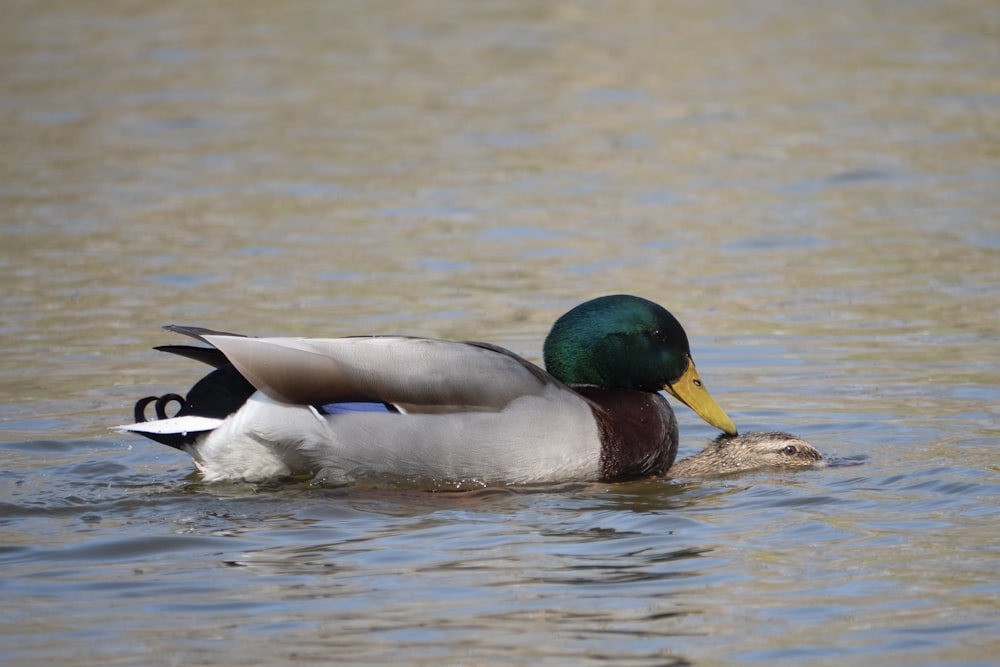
column 810, row 187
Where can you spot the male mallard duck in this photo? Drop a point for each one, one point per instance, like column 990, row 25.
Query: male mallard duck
column 345, row 408
column 748, row 451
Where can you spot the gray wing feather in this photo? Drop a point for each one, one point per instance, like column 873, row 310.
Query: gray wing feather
column 418, row 374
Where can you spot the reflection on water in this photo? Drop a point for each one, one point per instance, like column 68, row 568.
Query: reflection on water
column 812, row 190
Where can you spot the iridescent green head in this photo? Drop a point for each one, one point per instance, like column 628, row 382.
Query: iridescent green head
column 626, row 342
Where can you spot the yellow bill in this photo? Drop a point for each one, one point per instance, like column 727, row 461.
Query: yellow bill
column 690, row 391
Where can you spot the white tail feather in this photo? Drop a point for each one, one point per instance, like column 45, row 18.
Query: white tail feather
column 188, row 424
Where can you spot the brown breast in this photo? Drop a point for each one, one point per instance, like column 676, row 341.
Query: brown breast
column 638, row 431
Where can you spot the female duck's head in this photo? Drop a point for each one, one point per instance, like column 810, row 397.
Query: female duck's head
column 626, row 342
column 750, row 451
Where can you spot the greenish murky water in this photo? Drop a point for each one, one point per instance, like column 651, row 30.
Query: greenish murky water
column 810, row 187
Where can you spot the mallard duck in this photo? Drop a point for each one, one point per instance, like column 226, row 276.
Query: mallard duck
column 346, row 408
column 748, row 451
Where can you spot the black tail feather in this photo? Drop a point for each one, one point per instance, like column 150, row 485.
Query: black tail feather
column 205, row 355
column 139, row 412
column 198, row 333
column 219, row 394
column 175, row 440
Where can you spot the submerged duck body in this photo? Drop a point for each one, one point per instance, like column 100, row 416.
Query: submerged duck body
column 342, row 409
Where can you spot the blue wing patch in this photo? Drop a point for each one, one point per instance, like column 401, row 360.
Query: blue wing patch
column 342, row 408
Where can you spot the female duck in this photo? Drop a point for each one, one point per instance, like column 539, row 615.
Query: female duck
column 749, row 451
column 346, row 408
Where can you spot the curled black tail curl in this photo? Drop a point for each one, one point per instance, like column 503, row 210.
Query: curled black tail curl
column 218, row 395
column 161, row 407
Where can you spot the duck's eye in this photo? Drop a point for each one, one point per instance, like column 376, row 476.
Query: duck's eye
column 791, row 450
column 658, row 335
